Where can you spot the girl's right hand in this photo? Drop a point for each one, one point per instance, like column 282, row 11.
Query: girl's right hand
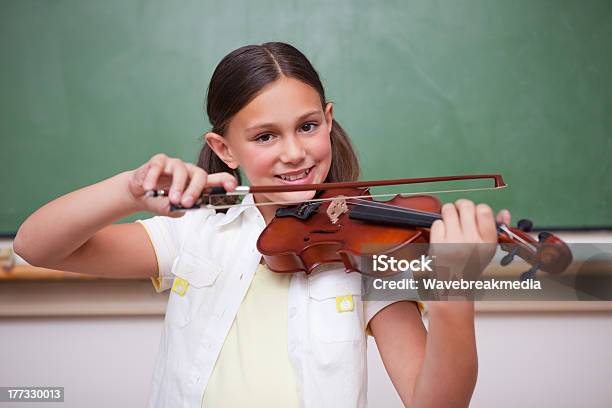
column 185, row 181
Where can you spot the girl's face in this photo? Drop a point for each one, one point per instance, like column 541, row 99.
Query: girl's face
column 281, row 137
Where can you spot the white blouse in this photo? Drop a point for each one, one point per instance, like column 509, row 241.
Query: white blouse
column 208, row 259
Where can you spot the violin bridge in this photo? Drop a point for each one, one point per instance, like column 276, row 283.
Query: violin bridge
column 336, row 208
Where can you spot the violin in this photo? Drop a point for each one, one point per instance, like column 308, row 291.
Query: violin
column 343, row 223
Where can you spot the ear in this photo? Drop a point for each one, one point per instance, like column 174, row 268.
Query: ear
column 329, row 116
column 221, row 148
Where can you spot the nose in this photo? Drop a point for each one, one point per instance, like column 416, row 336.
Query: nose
column 293, row 150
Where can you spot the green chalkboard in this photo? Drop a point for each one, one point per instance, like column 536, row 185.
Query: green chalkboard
column 521, row 88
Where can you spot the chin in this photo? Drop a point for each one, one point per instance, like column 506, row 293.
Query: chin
column 297, row 197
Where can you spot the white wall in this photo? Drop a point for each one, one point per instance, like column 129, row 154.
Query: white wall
column 526, row 360
column 531, row 360
column 101, row 361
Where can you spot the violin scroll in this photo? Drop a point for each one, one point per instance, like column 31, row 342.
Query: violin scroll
column 548, row 253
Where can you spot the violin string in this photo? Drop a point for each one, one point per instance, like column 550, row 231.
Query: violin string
column 409, row 211
column 226, row 206
column 391, row 207
column 501, row 227
column 397, row 209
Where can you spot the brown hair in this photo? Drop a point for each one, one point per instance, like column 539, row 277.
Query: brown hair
column 241, row 75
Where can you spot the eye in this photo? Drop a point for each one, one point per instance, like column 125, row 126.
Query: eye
column 308, row 127
column 264, row 138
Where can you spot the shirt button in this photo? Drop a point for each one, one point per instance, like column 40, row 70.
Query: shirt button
column 206, row 345
column 292, row 312
column 292, row 346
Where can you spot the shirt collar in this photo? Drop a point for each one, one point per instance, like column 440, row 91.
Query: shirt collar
column 236, row 211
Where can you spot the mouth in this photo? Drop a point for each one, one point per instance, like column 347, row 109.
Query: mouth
column 297, row 177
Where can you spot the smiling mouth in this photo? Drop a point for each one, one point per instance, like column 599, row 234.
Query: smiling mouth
column 294, row 177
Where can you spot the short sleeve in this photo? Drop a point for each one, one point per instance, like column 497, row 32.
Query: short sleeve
column 372, row 307
column 166, row 235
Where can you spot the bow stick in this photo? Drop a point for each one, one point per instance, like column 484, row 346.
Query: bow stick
column 218, row 193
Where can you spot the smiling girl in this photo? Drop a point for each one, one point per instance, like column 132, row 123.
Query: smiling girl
column 236, row 334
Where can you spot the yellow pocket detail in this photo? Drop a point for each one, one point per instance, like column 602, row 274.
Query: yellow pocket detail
column 180, row 286
column 344, row 303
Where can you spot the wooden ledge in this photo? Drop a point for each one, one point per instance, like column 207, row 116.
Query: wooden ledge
column 137, row 297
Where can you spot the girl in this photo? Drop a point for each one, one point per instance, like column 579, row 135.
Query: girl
column 236, row 334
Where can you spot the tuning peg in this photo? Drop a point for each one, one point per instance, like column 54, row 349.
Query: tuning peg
column 525, row 225
column 509, row 257
column 543, row 236
column 530, row 274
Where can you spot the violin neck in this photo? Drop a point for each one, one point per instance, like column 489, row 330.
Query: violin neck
column 380, row 213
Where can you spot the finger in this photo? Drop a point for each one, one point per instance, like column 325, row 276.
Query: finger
column 437, row 232
column 197, row 183
column 467, row 218
column 179, row 178
column 486, row 223
column 226, row 180
column 504, row 217
column 156, row 165
column 452, row 228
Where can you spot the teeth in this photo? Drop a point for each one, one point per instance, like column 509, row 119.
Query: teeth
column 296, row 177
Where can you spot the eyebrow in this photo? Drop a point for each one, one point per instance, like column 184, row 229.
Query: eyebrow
column 265, row 125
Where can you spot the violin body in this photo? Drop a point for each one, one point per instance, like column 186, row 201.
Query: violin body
column 347, row 226
column 301, row 238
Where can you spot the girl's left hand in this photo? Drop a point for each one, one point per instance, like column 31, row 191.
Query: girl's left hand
column 466, row 227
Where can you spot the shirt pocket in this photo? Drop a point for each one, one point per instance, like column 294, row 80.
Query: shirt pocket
column 193, row 285
column 336, row 310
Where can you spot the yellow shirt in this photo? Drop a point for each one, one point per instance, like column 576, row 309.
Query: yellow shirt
column 253, row 368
